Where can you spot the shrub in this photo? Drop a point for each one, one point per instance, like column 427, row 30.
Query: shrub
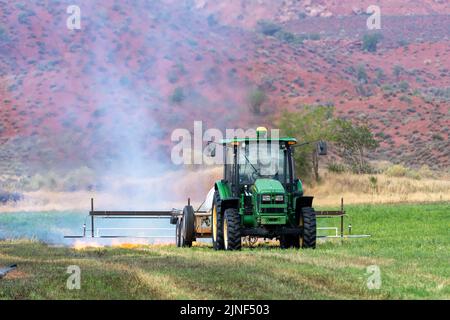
column 336, row 167
column 364, row 168
column 361, row 74
column 413, row 174
column 406, row 99
column 426, row 172
column 404, row 86
column 373, row 183
column 3, row 35
column 380, row 76
column 177, row 95
column 285, row 36
column 397, row 70
column 397, row 170
column 370, row 41
column 402, row 43
column 213, row 75
column 314, row 36
column 23, row 18
column 172, row 76
column 364, row 91
column 267, row 28
column 256, row 98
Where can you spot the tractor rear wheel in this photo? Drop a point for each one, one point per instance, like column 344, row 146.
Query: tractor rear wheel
column 232, row 230
column 308, row 222
column 216, row 224
column 187, row 227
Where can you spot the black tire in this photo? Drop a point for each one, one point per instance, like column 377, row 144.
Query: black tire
column 308, row 220
column 178, row 240
column 216, row 224
column 187, row 226
column 232, row 238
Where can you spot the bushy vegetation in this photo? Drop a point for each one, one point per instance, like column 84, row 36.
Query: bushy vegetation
column 3, row 35
column 396, row 170
column 314, row 123
column 397, row 70
column 82, row 178
column 256, row 98
column 336, row 167
column 269, row 28
column 362, row 74
column 399, row 170
column 353, row 141
column 440, row 94
column 177, row 96
column 310, row 125
column 370, row 41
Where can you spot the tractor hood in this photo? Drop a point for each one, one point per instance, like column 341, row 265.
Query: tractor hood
column 268, row 186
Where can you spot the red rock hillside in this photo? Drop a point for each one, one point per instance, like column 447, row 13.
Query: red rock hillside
column 117, row 88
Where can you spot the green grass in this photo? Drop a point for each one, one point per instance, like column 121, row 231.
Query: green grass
column 410, row 244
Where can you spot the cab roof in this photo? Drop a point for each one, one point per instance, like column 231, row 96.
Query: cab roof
column 234, row 140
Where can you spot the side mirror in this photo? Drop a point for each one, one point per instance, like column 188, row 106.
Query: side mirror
column 210, row 149
column 322, row 148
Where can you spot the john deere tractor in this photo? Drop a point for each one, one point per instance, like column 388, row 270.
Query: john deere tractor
column 260, row 196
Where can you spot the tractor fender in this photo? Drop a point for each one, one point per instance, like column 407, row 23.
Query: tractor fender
column 223, row 188
column 226, row 198
column 229, row 203
column 303, row 201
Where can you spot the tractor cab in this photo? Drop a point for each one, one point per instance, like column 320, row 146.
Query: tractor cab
column 248, row 160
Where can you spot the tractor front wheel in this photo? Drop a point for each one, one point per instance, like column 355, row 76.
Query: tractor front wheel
column 308, row 222
column 232, row 230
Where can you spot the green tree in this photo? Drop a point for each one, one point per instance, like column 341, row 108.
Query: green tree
column 309, row 125
column 353, row 141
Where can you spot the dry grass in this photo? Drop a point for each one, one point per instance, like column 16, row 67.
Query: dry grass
column 170, row 190
column 384, row 189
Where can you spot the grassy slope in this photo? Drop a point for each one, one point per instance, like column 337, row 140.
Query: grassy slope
column 410, row 243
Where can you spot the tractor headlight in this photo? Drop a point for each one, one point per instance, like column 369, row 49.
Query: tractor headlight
column 279, row 198
column 265, row 198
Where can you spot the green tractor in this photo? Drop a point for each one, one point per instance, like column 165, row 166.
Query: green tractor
column 261, row 197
